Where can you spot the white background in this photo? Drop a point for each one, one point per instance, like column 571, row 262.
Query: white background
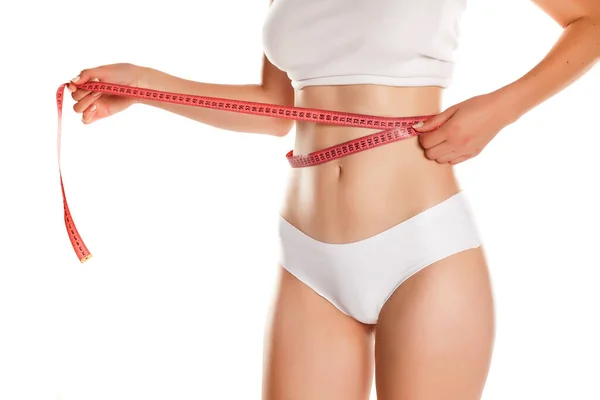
column 181, row 217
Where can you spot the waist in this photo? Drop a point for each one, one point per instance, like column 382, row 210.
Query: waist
column 383, row 100
column 375, row 100
column 357, row 195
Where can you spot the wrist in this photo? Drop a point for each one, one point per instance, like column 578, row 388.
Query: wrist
column 146, row 78
column 509, row 103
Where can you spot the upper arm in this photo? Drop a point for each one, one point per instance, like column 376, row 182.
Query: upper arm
column 566, row 11
column 276, row 81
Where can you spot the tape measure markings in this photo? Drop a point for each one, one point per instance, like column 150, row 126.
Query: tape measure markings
column 397, row 128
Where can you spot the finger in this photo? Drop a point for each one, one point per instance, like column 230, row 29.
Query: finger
column 83, row 77
column 88, row 115
column 431, row 139
column 85, row 91
column 436, row 121
column 85, row 102
column 448, row 157
column 459, row 160
column 96, row 94
column 80, row 94
column 441, row 150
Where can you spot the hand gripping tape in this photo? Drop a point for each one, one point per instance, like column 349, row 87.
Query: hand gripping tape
column 394, row 129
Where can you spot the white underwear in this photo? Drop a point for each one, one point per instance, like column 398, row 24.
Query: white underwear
column 359, row 277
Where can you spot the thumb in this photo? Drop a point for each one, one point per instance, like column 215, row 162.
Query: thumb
column 435, row 121
column 89, row 75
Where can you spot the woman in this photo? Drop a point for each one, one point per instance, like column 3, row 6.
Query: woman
column 382, row 269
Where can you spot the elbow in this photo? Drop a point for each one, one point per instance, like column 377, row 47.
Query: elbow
column 282, row 95
column 594, row 26
column 590, row 24
column 280, row 127
column 595, row 23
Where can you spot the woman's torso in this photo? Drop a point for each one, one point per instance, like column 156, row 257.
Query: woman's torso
column 386, row 58
column 357, row 196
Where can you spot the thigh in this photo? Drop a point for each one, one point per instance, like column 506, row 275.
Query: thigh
column 434, row 337
column 313, row 350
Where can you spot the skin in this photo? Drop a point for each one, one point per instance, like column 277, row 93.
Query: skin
column 434, row 336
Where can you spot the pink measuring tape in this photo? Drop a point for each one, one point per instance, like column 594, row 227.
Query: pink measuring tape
column 394, row 129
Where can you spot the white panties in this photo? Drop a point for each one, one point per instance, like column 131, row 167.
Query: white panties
column 359, row 277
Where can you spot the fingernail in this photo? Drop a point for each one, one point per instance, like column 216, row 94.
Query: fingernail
column 418, row 124
column 96, row 80
column 93, row 108
column 96, row 94
column 75, row 79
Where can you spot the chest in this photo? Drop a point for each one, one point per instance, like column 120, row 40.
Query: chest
column 311, row 19
column 297, row 31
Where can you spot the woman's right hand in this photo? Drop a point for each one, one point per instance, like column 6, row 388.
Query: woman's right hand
column 94, row 105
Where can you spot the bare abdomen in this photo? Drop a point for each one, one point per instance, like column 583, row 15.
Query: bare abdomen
column 358, row 196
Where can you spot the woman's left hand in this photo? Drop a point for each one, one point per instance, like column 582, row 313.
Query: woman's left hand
column 463, row 130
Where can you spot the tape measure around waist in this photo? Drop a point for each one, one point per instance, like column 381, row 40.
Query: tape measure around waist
column 394, row 129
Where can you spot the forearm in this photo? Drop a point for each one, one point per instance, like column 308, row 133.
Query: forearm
column 575, row 52
column 218, row 118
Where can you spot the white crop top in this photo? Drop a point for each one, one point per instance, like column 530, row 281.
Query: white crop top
column 343, row 42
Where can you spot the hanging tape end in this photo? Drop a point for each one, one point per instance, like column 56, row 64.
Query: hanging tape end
column 84, row 259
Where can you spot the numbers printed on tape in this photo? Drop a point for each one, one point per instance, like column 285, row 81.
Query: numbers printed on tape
column 394, row 129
